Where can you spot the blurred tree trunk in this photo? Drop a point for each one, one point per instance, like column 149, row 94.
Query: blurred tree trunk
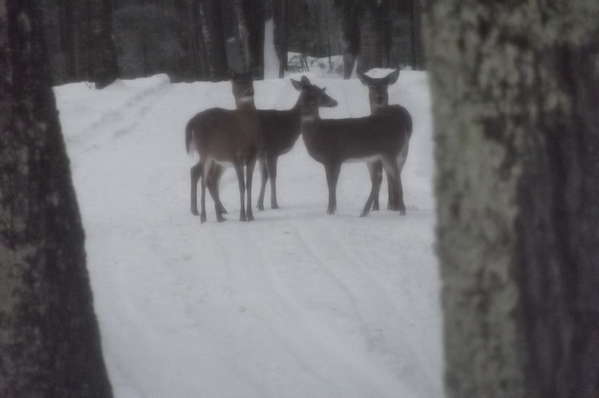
column 103, row 66
column 516, row 88
column 254, row 17
column 69, row 39
column 281, row 21
column 350, row 12
column 214, row 38
column 375, row 36
column 242, row 36
column 416, row 46
column 49, row 339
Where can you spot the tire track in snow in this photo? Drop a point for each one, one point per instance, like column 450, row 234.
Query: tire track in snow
column 365, row 294
column 115, row 123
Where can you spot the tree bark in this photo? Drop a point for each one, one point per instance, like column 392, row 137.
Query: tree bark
column 214, row 40
column 375, row 36
column 238, row 45
column 417, row 50
column 281, row 21
column 49, row 339
column 103, row 66
column 254, row 19
column 516, row 88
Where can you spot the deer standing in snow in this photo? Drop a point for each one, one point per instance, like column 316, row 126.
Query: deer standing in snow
column 280, row 130
column 378, row 95
column 332, row 142
column 224, row 137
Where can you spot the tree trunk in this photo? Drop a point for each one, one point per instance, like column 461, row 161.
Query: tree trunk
column 49, row 339
column 242, row 40
column 416, row 35
column 254, row 17
column 281, row 20
column 103, row 66
column 214, row 40
column 375, row 36
column 68, row 39
column 516, row 88
column 350, row 15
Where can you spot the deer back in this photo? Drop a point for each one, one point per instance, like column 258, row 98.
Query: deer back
column 383, row 133
column 280, row 129
column 225, row 134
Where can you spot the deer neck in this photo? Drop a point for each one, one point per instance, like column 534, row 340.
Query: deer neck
column 309, row 123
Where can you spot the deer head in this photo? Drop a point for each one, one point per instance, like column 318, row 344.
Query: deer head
column 243, row 89
column 378, row 88
column 312, row 97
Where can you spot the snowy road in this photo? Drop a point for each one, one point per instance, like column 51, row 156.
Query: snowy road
column 295, row 304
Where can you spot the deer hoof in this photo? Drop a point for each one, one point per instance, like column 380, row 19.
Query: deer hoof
column 203, row 218
column 220, row 218
column 260, row 206
column 275, row 206
column 195, row 212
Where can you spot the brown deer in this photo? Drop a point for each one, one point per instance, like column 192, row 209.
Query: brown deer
column 224, row 137
column 333, row 141
column 280, row 130
column 379, row 97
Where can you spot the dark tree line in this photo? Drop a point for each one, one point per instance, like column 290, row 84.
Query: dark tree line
column 99, row 40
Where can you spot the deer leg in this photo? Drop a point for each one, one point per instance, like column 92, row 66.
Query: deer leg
column 401, row 161
column 205, row 167
column 401, row 206
column 248, row 182
column 376, row 177
column 264, row 175
column 212, row 183
column 392, row 200
column 195, row 173
column 272, row 172
column 216, row 171
column 391, row 166
column 240, row 180
column 332, row 171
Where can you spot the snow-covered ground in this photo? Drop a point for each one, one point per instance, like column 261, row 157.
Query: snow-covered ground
column 295, row 304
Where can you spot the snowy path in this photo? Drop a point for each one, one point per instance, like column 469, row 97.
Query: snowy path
column 295, row 304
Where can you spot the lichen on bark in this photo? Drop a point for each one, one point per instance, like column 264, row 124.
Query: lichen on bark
column 508, row 100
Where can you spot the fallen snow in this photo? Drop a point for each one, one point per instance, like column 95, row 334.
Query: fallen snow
column 295, row 304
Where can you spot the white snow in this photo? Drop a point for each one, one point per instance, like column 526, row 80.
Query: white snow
column 297, row 304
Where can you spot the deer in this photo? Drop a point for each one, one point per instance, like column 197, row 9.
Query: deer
column 332, row 142
column 378, row 96
column 222, row 138
column 280, row 131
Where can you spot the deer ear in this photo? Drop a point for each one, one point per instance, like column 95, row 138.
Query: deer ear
column 297, row 85
column 365, row 79
column 392, row 77
column 305, row 81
